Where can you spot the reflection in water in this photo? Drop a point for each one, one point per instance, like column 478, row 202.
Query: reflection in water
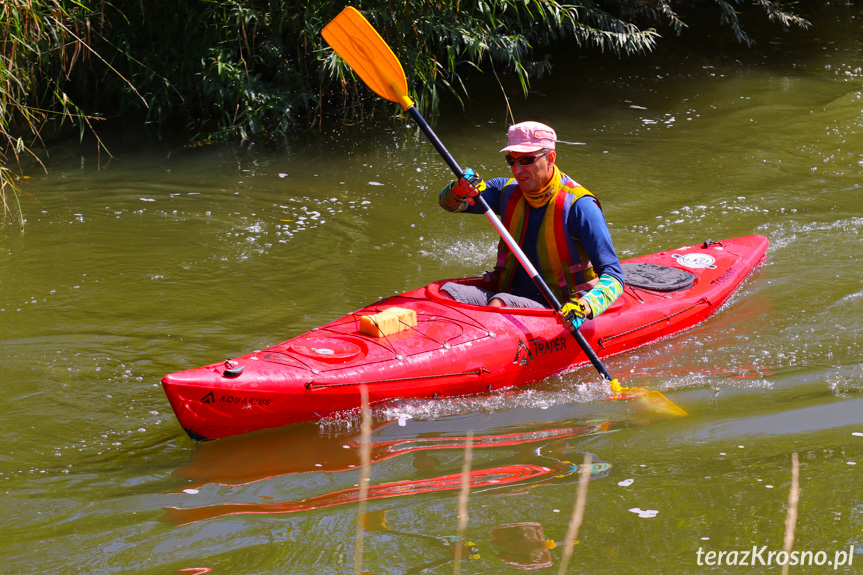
column 271, row 454
column 522, row 545
column 376, row 522
column 246, row 459
column 498, row 476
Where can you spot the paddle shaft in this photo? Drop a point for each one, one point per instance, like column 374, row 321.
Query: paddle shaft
column 508, row 239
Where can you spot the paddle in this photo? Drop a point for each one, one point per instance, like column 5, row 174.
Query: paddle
column 359, row 44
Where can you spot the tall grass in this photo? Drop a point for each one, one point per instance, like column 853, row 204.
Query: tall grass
column 42, row 45
column 365, row 475
column 571, row 537
column 791, row 513
column 463, row 496
column 238, row 69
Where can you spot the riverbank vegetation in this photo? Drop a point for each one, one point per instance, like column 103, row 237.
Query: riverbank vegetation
column 238, row 69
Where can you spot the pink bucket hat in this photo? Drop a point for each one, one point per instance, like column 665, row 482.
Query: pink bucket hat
column 529, row 137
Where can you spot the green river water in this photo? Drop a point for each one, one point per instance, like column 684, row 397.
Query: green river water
column 169, row 257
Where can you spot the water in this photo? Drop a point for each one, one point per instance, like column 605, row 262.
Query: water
column 167, row 257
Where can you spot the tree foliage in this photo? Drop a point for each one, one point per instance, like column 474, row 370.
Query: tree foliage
column 236, row 69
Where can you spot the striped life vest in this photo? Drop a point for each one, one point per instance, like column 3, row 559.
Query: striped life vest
column 555, row 246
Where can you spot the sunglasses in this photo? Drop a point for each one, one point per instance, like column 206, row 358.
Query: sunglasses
column 524, row 160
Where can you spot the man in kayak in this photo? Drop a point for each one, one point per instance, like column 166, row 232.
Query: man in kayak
column 558, row 224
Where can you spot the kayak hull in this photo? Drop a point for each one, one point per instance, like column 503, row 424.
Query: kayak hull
column 455, row 349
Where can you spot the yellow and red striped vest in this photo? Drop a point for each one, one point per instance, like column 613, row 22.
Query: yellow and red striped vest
column 555, row 246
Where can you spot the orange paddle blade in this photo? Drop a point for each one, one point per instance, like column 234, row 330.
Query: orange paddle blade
column 647, row 400
column 360, row 45
column 653, row 402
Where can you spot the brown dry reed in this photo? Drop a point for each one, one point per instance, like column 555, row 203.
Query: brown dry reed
column 463, row 496
column 791, row 516
column 365, row 475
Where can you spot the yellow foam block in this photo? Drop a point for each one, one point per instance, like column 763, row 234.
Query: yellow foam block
column 388, row 322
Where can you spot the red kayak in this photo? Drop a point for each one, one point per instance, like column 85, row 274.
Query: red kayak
column 450, row 348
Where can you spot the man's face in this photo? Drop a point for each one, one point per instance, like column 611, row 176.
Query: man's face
column 533, row 177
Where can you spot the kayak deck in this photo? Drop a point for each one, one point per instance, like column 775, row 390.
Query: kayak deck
column 454, row 349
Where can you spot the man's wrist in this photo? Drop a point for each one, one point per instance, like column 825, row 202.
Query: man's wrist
column 585, row 305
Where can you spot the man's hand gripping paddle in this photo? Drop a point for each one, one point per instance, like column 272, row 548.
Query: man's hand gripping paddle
column 359, row 44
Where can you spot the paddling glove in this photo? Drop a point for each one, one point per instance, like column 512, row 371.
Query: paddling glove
column 459, row 194
column 573, row 314
column 604, row 293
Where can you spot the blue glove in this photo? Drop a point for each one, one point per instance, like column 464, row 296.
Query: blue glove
column 573, row 314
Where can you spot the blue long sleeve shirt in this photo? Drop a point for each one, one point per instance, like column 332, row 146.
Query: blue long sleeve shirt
column 586, row 222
